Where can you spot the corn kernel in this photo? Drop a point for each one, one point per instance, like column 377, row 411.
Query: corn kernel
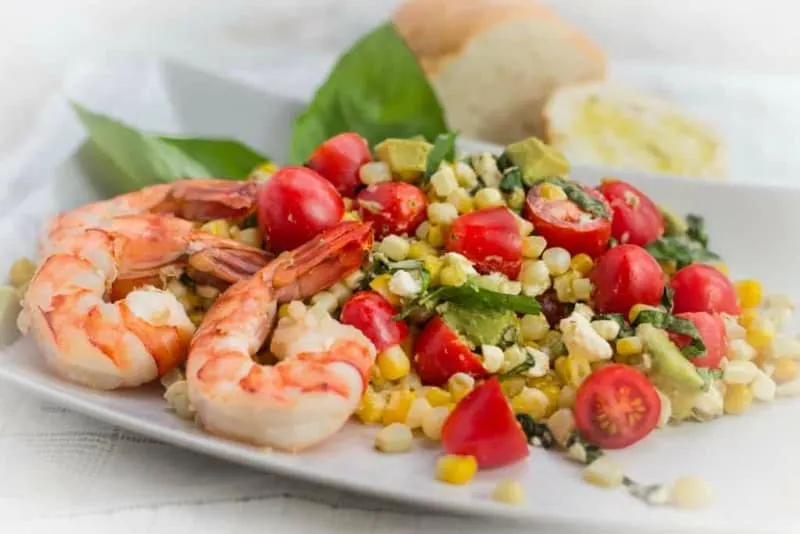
column 552, row 391
column 533, row 246
column 438, row 397
column 535, row 273
column 370, row 410
column 563, row 287
column 738, row 398
column 636, row 309
column 459, row 385
column 669, row 267
column 526, row 227
column 325, row 300
column 691, row 492
column 380, row 284
column 196, row 316
column 433, row 421
column 573, row 370
column 375, row 172
column 629, row 346
column 509, row 492
column 608, row 329
column 557, row 260
column 393, row 363
column 283, row 310
column 516, row 199
column 582, row 263
column 604, row 472
column 452, row 275
column 250, row 236
column 562, row 424
column 465, row 175
column 739, row 372
column 218, row 227
column 394, row 438
column 493, row 358
column 434, row 266
column 442, row 213
column 785, row 370
column 416, row 413
column 394, row 247
column 749, row 292
column 747, row 316
column 760, row 333
column 582, row 289
column 351, row 216
column 21, row 272
column 566, row 397
column 534, row 327
column 489, row 197
column 444, row 181
column 721, row 267
column 419, row 249
column 397, row 407
column 422, row 231
column 353, row 280
column 552, row 192
column 456, row 469
column 511, row 288
column 763, row 387
column 462, row 200
column 435, row 236
column 531, row 401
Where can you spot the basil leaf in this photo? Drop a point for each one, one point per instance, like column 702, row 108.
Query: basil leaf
column 512, row 180
column 444, row 149
column 680, row 249
column 536, row 433
column 144, row 159
column 380, row 264
column 625, row 329
column 579, row 196
column 469, row 295
column 696, row 229
column 667, row 298
column 676, row 325
column 708, row 376
column 522, row 367
column 377, row 89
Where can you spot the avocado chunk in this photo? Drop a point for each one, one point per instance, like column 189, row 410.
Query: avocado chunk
column 9, row 310
column 536, row 160
column 407, row 158
column 482, row 327
column 670, row 368
column 674, row 224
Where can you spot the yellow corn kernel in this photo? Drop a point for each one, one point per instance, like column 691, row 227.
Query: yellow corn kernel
column 459, row 385
column 533, row 327
column 370, row 410
column 420, row 249
column 509, row 492
column 553, row 393
column 636, row 309
column 749, row 292
column 438, row 396
column 218, row 227
column 393, row 363
column 512, row 386
column 381, row 285
column 416, row 413
column 250, row 236
column 669, row 267
column 738, row 398
column 563, row 286
column 582, row 289
column 747, row 316
column 462, row 200
column 489, row 197
column 433, row 421
column 435, row 236
column 196, row 316
column 434, row 266
column 375, row 377
column 452, row 275
column 516, row 199
column 351, row 216
column 394, row 438
column 785, row 370
column 456, row 469
column 283, row 310
column 760, row 333
column 582, row 263
column 629, row 346
column 552, row 192
column 397, row 407
column 263, row 171
column 572, row 369
column 207, row 292
column 531, row 401
column 722, row 267
column 21, row 272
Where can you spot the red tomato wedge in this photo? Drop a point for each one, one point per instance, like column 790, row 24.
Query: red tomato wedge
column 483, row 425
column 624, row 276
column 489, row 238
column 702, row 288
column 439, row 354
column 372, row 314
column 296, row 204
column 392, row 207
column 637, row 220
column 616, row 407
column 712, row 332
column 563, row 224
column 338, row 160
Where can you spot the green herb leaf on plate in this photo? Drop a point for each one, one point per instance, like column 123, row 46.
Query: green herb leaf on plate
column 697, row 229
column 512, row 180
column 579, row 196
column 144, row 159
column 680, row 249
column 444, row 149
column 676, row 325
column 377, row 89
column 667, row 298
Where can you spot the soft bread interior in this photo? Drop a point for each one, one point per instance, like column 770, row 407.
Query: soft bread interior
column 495, row 87
column 613, row 125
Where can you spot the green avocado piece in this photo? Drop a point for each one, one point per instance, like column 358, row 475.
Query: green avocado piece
column 406, row 157
column 674, row 224
column 670, row 368
column 9, row 310
column 536, row 160
column 482, row 327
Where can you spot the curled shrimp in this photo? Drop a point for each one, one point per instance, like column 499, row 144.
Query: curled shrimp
column 106, row 345
column 312, row 391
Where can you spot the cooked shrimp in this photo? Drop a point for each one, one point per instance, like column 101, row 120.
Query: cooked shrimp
column 325, row 365
column 107, row 345
column 195, row 200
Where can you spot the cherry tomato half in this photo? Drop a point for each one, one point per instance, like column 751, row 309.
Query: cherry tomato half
column 616, row 407
column 489, row 238
column 700, row 288
column 372, row 314
column 563, row 224
column 295, row 205
column 392, row 207
column 637, row 220
column 624, row 276
column 439, row 354
column 712, row 332
column 483, row 425
column 338, row 160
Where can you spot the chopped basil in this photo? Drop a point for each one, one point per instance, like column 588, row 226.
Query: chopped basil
column 536, row 432
column 696, row 230
column 676, row 325
column 667, row 298
column 521, row 368
column 380, row 264
column 625, row 329
column 579, row 196
column 444, row 149
column 680, row 249
column 512, row 180
column 709, row 376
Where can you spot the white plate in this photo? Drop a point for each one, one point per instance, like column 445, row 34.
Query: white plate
column 751, row 460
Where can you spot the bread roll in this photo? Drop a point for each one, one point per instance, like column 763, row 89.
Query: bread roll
column 616, row 126
column 493, row 63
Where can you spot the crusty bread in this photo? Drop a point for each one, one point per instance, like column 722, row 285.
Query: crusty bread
column 613, row 125
column 493, row 63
